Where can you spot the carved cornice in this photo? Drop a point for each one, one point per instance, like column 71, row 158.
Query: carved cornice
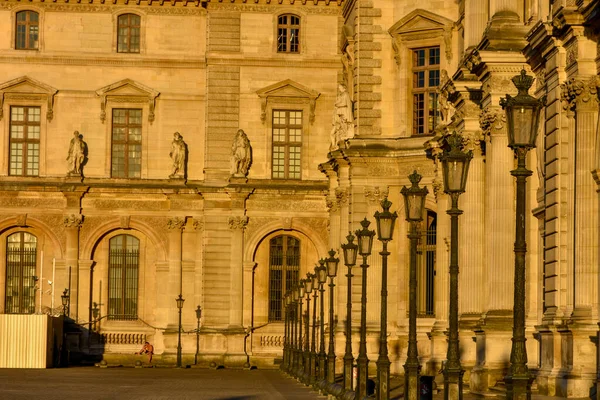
column 577, row 93
column 104, row 60
column 238, row 222
column 127, row 91
column 287, row 91
column 173, row 7
column 25, row 88
column 272, row 7
column 72, row 220
column 176, row 223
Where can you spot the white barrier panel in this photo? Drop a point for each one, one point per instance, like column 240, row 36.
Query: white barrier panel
column 26, row 341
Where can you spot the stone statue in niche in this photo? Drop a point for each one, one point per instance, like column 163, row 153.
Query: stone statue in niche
column 241, row 154
column 178, row 155
column 343, row 119
column 76, row 155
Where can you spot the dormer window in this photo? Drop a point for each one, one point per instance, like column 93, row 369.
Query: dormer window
column 288, row 33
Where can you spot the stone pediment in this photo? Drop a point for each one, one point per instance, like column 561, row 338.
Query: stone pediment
column 287, row 90
column 27, row 88
column 418, row 21
column 127, row 91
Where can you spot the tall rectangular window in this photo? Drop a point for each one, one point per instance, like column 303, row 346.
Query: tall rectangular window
column 288, row 33
column 284, row 271
column 287, row 144
column 27, row 30
column 123, row 267
column 128, row 33
column 126, row 143
column 24, row 141
column 426, row 79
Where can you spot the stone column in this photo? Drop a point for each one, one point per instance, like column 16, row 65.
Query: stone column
column 175, row 226
column 499, row 215
column 237, row 225
column 476, row 18
column 497, row 6
column 581, row 96
column 72, row 222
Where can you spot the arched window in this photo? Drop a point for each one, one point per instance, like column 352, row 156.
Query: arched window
column 21, row 251
column 288, row 33
column 284, row 269
column 128, row 33
column 426, row 266
column 27, row 30
column 123, row 268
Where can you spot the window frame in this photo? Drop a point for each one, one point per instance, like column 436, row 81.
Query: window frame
column 287, row 143
column 126, row 142
column 124, row 316
column 27, row 25
column 426, row 90
column 129, row 28
column 288, row 26
column 277, row 315
column 115, row 40
column 33, row 304
column 25, row 141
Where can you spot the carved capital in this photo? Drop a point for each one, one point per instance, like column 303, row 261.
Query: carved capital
column 341, row 195
column 472, row 140
column 491, row 119
column 176, row 223
column 375, row 195
column 438, row 186
column 332, row 204
column 578, row 94
column 238, row 222
column 72, row 220
column 198, row 224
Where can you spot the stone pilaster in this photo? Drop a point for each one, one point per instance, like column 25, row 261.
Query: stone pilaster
column 175, row 227
column 237, row 224
column 476, row 19
column 72, row 222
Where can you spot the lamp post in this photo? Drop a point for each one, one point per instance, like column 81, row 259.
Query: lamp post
column 179, row 301
column 65, row 298
column 522, row 115
column 308, row 287
column 299, row 370
column 414, row 201
column 321, row 272
column 292, row 333
column 350, row 251
column 455, row 166
column 286, row 321
column 313, row 350
column 95, row 314
column 332, row 266
column 365, row 244
column 385, row 229
column 198, row 316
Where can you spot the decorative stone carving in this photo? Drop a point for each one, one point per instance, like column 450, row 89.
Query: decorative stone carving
column 572, row 51
column 287, row 91
column 332, row 204
column 25, row 88
column 127, row 91
column 72, row 220
column 21, row 220
column 438, row 187
column 238, row 222
column 176, row 223
column 198, row 224
column 341, row 195
column 472, row 60
column 178, row 155
column 472, row 141
column 375, row 195
column 343, row 118
column 125, row 221
column 76, row 155
column 241, row 155
column 491, row 119
column 286, row 223
column 576, row 92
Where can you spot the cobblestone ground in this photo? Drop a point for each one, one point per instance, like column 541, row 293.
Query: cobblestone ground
column 149, row 384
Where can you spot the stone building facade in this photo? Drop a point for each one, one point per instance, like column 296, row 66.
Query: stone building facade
column 145, row 218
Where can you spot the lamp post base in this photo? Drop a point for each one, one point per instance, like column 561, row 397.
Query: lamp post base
column 411, row 386
column 453, row 385
column 518, row 388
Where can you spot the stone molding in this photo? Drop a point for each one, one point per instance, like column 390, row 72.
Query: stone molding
column 26, row 88
column 72, row 220
column 287, row 91
column 103, row 60
column 238, row 222
column 127, row 91
column 101, row 7
column 268, row 7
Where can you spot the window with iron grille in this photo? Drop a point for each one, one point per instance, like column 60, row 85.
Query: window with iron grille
column 27, row 30
column 287, row 144
column 426, row 79
column 284, row 270
column 288, row 33
column 21, row 256
column 123, row 269
column 126, row 143
column 128, row 33
column 426, row 256
column 24, row 141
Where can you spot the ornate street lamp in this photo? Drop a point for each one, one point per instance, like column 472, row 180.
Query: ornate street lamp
column 198, row 316
column 455, row 166
column 522, row 115
column 179, row 301
column 299, row 371
column 365, row 244
column 332, row 266
column 308, row 287
column 95, row 314
column 321, row 274
column 350, row 252
column 65, row 298
column 313, row 350
column 385, row 229
column 414, row 203
column 286, row 331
